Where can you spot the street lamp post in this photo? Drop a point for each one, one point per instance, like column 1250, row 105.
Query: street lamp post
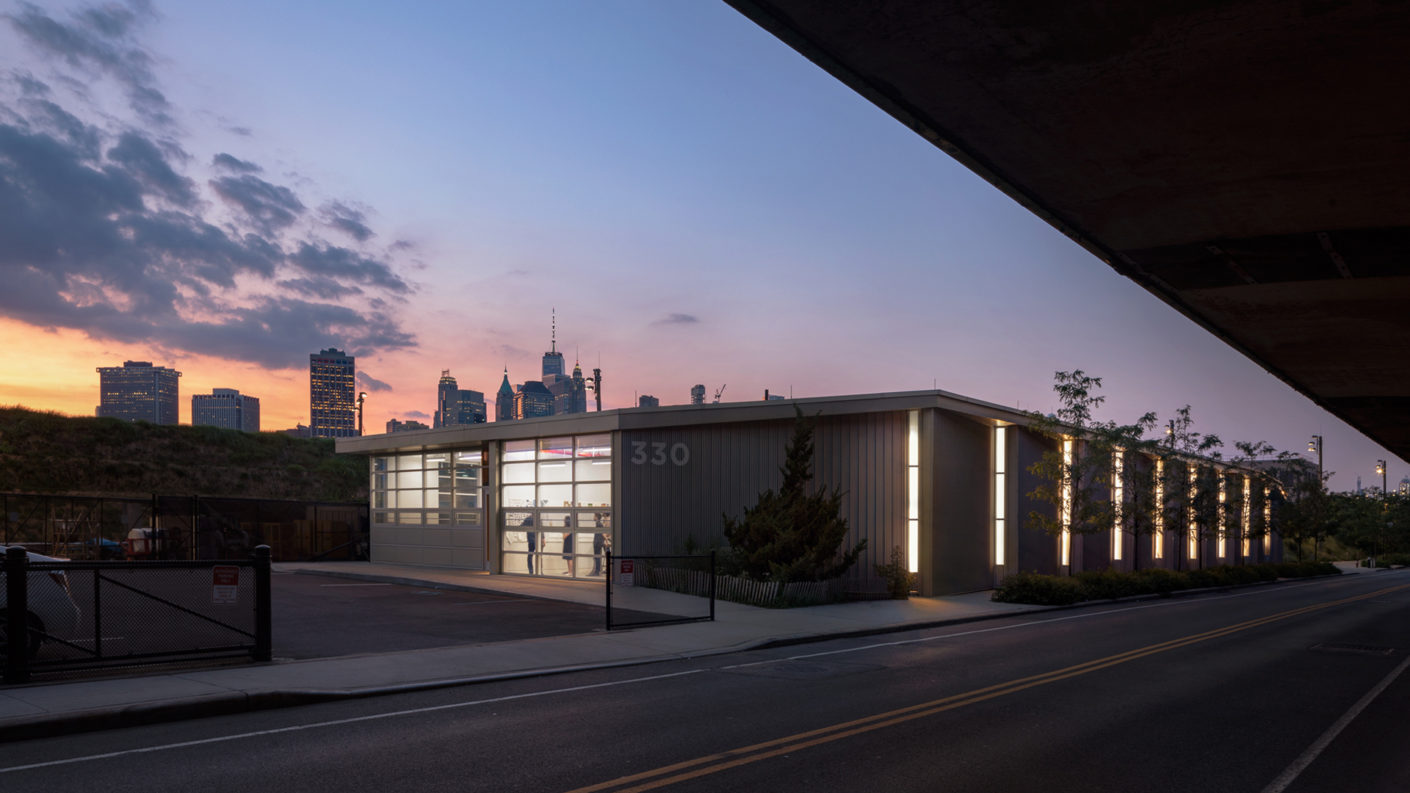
column 1380, row 469
column 1315, row 445
column 361, row 397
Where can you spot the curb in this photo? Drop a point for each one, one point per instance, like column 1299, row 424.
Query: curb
column 56, row 725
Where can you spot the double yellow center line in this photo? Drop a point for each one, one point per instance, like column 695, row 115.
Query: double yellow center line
column 714, row 763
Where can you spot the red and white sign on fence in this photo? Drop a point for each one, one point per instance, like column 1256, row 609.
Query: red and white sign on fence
column 225, row 584
column 626, row 572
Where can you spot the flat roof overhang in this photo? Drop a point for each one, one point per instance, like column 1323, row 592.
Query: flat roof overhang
column 1246, row 162
column 469, row 435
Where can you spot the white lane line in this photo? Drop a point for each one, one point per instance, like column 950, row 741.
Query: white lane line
column 1318, row 746
column 1033, row 623
column 339, row 722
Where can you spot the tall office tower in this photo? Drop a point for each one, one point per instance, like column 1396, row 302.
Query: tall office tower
column 553, row 359
column 447, row 394
column 697, row 394
column 648, row 401
column 332, row 394
column 504, row 400
column 225, row 407
column 139, row 391
column 569, row 393
column 532, row 400
column 459, row 406
column 470, row 407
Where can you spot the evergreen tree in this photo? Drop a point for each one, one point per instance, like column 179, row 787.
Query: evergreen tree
column 792, row 534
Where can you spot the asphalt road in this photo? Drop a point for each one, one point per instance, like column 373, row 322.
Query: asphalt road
column 1295, row 687
column 317, row 616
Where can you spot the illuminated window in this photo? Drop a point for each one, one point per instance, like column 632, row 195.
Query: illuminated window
column 1065, row 510
column 913, row 493
column 1267, row 521
column 1118, row 468
column 557, row 493
column 1221, row 543
column 1193, row 531
column 1158, row 536
column 1000, row 464
column 1244, row 520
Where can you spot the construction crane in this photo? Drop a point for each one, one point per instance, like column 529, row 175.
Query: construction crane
column 718, row 391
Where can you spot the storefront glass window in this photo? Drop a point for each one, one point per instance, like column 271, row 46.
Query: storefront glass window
column 543, row 532
column 432, row 489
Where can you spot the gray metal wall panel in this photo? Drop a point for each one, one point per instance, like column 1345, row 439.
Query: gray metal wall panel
column 962, row 473
column 726, row 466
column 1037, row 550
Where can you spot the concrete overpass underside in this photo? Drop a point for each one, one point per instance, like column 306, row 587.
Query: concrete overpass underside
column 1246, row 162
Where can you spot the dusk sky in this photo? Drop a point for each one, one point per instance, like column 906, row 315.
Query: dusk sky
column 226, row 188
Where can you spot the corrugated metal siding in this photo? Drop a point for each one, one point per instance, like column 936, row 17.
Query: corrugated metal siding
column 730, row 464
column 1037, row 551
column 961, row 471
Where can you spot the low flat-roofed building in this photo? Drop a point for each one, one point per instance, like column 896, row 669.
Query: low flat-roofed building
column 942, row 477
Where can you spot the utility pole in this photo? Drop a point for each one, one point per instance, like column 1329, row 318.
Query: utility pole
column 1315, row 445
column 595, row 383
column 1385, row 505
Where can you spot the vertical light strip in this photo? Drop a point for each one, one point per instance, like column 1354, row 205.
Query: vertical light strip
column 1267, row 521
column 1065, row 510
column 1118, row 468
column 1245, row 522
column 1222, row 542
column 1158, row 537
column 1000, row 493
column 913, row 493
column 1193, row 538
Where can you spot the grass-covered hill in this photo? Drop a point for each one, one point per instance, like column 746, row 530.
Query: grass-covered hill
column 49, row 453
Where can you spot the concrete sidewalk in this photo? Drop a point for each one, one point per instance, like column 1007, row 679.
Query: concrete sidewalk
column 39, row 710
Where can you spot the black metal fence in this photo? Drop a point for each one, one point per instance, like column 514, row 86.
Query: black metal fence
column 184, row 527
column 629, row 576
column 80, row 615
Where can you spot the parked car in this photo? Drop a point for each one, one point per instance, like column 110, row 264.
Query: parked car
column 51, row 611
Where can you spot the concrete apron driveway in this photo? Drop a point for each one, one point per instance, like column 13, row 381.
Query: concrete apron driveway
column 46, row 709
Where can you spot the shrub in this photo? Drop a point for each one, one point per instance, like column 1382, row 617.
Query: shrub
column 1306, row 569
column 1109, row 584
column 899, row 580
column 1158, row 580
column 1391, row 559
column 1041, row 590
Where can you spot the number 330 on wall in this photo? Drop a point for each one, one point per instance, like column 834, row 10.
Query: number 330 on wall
column 659, row 452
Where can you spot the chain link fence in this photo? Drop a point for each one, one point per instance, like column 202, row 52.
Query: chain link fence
column 637, row 588
column 59, row 616
column 101, row 528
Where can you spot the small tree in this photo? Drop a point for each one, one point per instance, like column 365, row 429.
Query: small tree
column 1187, row 499
column 1137, row 477
column 792, row 535
column 1072, row 472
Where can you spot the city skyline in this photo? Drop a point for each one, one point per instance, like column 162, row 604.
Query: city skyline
column 724, row 213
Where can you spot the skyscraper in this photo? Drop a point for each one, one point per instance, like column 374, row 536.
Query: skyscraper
column 139, row 391
column 532, row 400
column 553, row 359
column 447, row 394
column 569, row 393
column 225, row 407
column 648, row 401
column 697, row 394
column 504, row 400
column 455, row 405
column 332, row 394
